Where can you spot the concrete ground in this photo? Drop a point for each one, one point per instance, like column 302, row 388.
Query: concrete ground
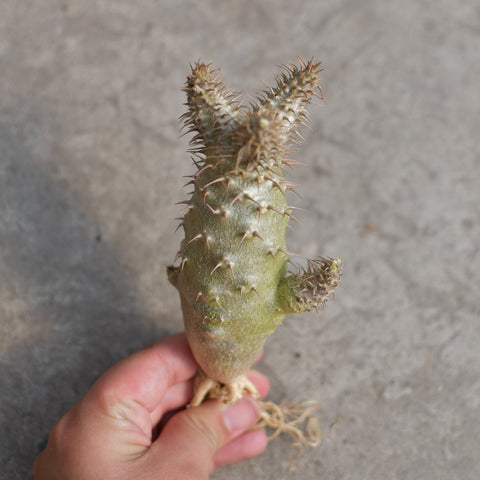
column 91, row 166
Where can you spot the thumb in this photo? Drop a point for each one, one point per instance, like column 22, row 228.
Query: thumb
column 190, row 439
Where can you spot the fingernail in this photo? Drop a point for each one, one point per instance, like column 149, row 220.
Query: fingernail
column 241, row 415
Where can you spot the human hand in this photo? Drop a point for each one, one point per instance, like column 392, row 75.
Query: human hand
column 121, row 429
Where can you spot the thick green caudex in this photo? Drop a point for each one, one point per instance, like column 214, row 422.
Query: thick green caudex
column 231, row 269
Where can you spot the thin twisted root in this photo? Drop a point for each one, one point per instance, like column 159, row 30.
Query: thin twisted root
column 295, row 419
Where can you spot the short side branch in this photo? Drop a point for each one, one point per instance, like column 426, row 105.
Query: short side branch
column 291, row 95
column 310, row 288
column 211, row 109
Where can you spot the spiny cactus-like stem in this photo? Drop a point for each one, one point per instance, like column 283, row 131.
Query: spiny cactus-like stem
column 291, row 95
column 212, row 110
column 232, row 271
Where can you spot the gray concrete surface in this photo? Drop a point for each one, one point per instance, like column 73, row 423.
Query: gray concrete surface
column 90, row 169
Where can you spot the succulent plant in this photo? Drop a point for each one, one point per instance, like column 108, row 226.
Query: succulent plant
column 231, row 270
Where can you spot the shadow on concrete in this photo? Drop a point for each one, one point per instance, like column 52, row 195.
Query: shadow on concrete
column 81, row 313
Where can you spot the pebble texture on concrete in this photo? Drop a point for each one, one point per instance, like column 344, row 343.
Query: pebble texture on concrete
column 91, row 166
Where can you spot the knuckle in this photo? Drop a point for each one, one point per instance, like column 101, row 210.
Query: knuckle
column 57, row 436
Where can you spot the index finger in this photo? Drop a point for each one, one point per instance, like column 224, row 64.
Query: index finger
column 145, row 376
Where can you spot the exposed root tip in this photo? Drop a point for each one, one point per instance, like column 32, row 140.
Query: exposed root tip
column 205, row 387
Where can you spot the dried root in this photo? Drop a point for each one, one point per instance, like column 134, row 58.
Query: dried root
column 295, row 419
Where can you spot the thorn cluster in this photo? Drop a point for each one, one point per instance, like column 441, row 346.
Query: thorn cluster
column 317, row 282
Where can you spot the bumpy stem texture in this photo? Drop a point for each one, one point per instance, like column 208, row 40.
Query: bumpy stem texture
column 232, row 264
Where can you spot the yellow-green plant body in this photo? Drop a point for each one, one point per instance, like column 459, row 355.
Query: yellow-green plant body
column 232, row 264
